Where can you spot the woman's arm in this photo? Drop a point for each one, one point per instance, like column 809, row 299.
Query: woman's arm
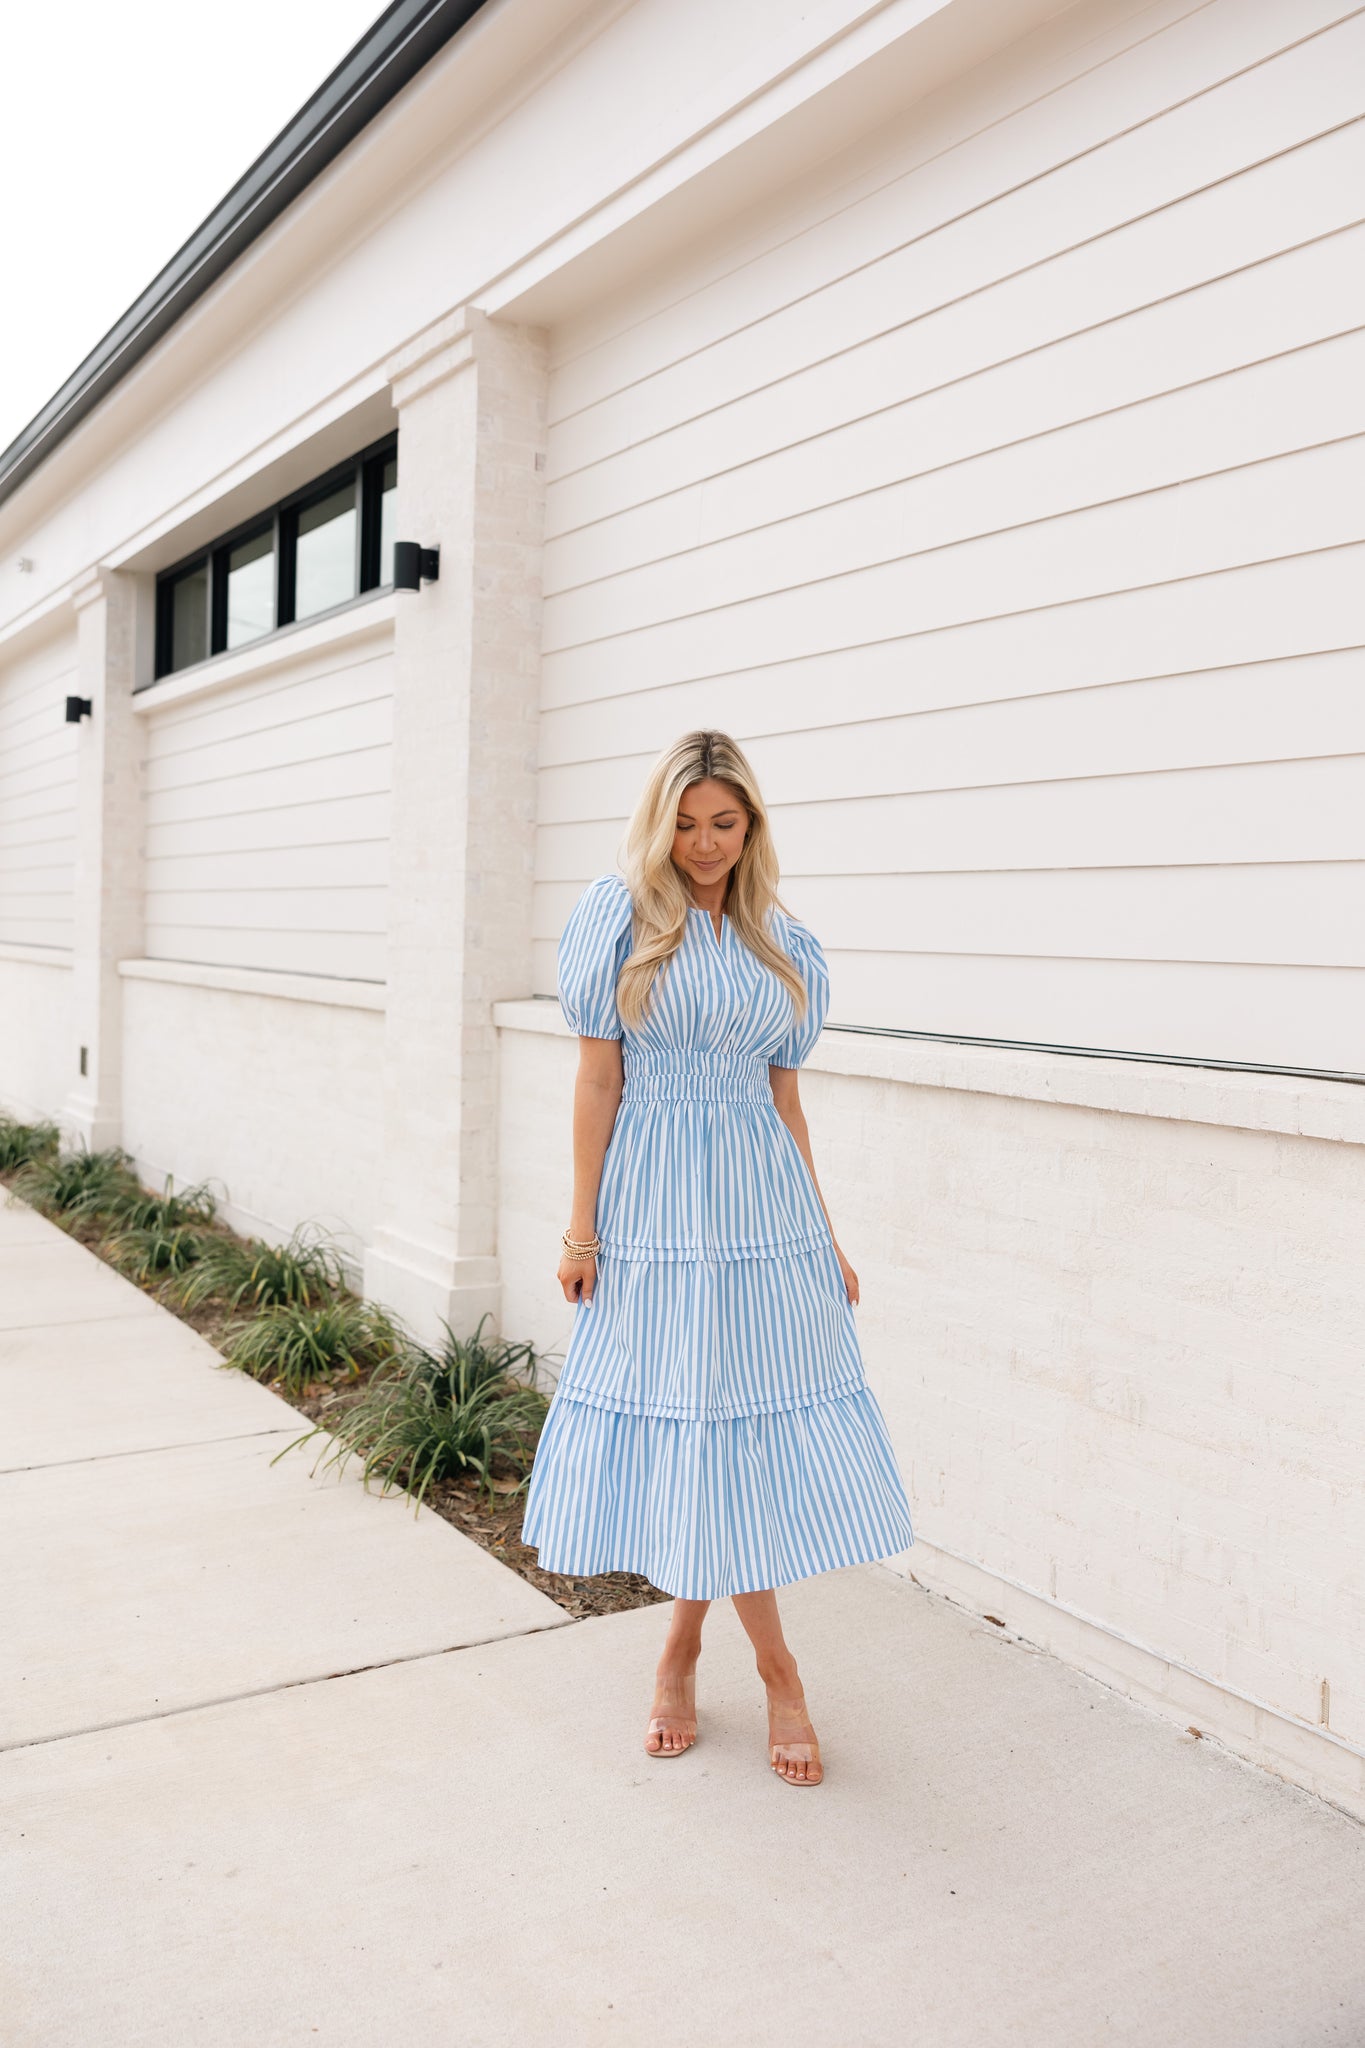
column 787, row 1098
column 596, row 1099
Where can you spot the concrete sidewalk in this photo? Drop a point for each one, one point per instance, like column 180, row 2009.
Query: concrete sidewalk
column 282, row 1763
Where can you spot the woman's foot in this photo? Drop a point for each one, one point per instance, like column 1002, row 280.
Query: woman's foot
column 673, row 1716
column 793, row 1750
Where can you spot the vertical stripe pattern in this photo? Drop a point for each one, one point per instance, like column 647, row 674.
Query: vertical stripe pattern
column 712, row 1427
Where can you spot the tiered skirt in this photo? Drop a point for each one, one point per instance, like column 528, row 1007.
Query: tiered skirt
column 712, row 1427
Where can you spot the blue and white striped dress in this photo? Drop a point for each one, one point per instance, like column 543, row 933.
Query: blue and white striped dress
column 712, row 1427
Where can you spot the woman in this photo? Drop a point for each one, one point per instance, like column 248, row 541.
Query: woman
column 712, row 1427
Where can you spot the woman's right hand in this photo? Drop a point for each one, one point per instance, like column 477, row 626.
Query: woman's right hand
column 578, row 1278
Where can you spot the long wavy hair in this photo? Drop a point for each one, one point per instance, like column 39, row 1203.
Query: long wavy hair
column 660, row 895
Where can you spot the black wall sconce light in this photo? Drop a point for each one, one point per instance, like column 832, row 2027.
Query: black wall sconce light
column 78, row 708
column 413, row 565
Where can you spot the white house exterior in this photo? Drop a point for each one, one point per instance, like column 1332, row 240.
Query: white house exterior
column 961, row 402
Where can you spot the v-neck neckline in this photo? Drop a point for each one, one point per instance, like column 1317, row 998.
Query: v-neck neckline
column 718, row 936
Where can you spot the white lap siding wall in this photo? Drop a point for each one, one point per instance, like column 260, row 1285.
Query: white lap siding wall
column 37, row 857
column 1004, row 494
column 1001, row 490
column 268, row 820
column 266, row 865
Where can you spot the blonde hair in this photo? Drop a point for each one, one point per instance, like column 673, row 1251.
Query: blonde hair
column 660, row 896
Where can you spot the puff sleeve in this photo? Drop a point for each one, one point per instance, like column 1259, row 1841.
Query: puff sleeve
column 806, row 952
column 594, row 946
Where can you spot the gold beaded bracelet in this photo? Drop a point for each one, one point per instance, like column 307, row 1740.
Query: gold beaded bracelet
column 579, row 1250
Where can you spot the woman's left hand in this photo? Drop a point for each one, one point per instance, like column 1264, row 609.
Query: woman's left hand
column 850, row 1277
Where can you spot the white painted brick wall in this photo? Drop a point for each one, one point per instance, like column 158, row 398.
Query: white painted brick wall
column 36, row 1037
column 277, row 1099
column 1121, row 1360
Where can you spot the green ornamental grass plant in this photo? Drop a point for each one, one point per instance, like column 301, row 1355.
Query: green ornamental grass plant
column 21, row 1142
column 77, row 1184
column 428, row 1416
column 253, row 1274
column 136, row 1208
column 155, row 1237
column 154, row 1251
column 292, row 1343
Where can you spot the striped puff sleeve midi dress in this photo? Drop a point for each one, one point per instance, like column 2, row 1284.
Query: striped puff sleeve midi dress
column 712, row 1427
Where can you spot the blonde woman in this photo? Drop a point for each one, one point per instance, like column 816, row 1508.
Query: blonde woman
column 712, row 1427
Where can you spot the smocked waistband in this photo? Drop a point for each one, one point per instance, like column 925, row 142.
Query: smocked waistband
column 649, row 1076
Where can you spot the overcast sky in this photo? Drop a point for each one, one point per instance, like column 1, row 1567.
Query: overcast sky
column 123, row 126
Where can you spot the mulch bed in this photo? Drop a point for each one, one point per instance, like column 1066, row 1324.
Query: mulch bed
column 493, row 1523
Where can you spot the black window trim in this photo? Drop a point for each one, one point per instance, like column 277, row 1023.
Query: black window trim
column 366, row 467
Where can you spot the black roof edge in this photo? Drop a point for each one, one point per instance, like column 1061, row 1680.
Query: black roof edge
column 406, row 36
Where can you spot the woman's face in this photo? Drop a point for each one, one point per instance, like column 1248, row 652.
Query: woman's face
column 709, row 836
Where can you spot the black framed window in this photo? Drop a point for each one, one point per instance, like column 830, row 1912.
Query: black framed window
column 184, row 614
column 320, row 548
column 245, row 577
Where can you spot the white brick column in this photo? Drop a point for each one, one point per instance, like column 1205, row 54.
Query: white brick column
column 471, row 402
column 108, row 920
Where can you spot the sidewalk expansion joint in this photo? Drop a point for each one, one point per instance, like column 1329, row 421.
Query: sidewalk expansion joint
column 88, row 1322
column 260, row 1692
column 143, row 1451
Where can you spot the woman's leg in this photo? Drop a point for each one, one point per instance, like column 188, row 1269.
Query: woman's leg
column 792, row 1748
column 673, row 1717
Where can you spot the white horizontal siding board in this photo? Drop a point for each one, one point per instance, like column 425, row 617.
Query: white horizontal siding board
column 277, row 907
column 362, row 773
column 1278, row 610
column 269, row 704
column 352, row 728
column 349, row 956
column 1266, row 812
column 31, row 900
column 579, row 851
column 1279, row 209
column 1303, row 708
column 45, row 789
column 1293, row 504
column 1310, row 90
column 38, row 821
column 346, row 864
column 1311, row 396
column 1299, row 914
column 1210, row 1012
column 27, row 714
column 42, row 888
column 44, row 778
column 963, row 153
column 30, row 741
column 267, row 817
column 321, row 823
column 1291, row 914
column 53, row 932
column 38, row 797
column 39, row 814
column 364, row 642
column 45, row 864
column 1275, row 314
column 1271, row 811
column 35, row 723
